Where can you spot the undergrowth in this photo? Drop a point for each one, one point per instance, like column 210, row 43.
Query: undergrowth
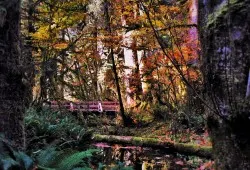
column 49, row 159
column 47, row 128
column 55, row 141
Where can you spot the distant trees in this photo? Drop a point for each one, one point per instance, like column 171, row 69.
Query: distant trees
column 169, row 69
column 13, row 78
column 57, row 31
column 73, row 58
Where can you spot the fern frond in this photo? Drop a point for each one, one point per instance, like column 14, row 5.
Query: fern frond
column 8, row 163
column 60, row 157
column 75, row 159
column 44, row 168
column 24, row 160
column 47, row 156
column 79, row 168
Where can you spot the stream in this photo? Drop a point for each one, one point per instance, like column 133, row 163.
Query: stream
column 146, row 158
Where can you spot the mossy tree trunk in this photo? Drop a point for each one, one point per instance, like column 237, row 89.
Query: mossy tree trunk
column 12, row 80
column 225, row 39
column 188, row 149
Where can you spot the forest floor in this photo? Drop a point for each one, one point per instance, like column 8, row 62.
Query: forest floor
column 47, row 128
column 160, row 129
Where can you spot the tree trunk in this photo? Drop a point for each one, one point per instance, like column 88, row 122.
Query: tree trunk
column 225, row 39
column 27, row 58
column 12, row 81
column 125, row 120
column 184, row 148
column 136, row 76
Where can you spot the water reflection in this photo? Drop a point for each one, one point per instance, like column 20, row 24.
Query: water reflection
column 145, row 158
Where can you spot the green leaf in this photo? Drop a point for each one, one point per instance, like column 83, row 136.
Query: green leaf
column 24, row 160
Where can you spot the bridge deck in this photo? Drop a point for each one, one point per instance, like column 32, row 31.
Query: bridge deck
column 86, row 106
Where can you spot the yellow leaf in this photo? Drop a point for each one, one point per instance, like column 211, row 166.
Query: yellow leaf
column 60, row 46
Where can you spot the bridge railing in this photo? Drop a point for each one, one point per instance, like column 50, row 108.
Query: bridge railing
column 86, row 106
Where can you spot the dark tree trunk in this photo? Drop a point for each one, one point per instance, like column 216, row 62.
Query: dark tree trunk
column 12, row 81
column 125, row 120
column 225, row 39
column 26, row 45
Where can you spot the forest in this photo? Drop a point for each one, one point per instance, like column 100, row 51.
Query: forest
column 124, row 84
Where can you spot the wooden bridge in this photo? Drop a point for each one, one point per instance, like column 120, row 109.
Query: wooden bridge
column 85, row 106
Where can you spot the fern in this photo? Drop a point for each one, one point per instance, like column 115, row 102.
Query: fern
column 8, row 163
column 101, row 166
column 67, row 159
column 46, row 156
column 121, row 166
column 75, row 159
column 10, row 159
column 24, row 160
column 79, row 168
column 65, row 129
column 59, row 157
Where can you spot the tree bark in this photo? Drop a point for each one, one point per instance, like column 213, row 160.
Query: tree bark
column 26, row 45
column 225, row 38
column 12, row 80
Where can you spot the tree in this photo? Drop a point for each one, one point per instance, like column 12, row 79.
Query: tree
column 57, row 30
column 125, row 119
column 224, row 32
column 27, row 29
column 13, row 83
column 173, row 63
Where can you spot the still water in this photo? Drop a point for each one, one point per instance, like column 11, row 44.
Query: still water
column 146, row 158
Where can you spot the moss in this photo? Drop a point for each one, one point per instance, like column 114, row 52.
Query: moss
column 137, row 141
column 140, row 141
column 195, row 149
column 222, row 11
column 190, row 149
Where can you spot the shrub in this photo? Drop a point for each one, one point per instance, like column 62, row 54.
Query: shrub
column 161, row 112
